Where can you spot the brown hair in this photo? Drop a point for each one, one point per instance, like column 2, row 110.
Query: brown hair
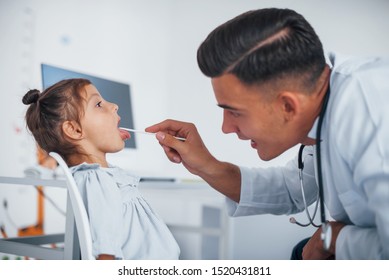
column 50, row 109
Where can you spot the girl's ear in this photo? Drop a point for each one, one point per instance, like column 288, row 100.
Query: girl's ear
column 72, row 130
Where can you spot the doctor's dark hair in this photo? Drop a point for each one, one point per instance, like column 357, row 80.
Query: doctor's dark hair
column 50, row 109
column 263, row 45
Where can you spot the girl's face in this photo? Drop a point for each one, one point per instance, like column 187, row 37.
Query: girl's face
column 99, row 126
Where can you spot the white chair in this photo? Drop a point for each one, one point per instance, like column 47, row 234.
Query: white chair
column 80, row 214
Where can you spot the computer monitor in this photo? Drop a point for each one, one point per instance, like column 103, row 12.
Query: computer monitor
column 112, row 91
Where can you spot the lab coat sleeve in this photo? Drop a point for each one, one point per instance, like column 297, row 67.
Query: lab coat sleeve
column 366, row 151
column 275, row 190
column 355, row 242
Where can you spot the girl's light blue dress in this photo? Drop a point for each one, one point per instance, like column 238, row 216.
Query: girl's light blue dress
column 122, row 222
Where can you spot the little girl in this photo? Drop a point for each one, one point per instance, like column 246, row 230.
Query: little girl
column 72, row 119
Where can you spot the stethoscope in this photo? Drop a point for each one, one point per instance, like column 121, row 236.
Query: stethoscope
column 326, row 233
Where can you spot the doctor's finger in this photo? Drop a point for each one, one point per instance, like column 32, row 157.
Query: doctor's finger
column 168, row 140
column 171, row 154
column 165, row 125
column 173, row 127
column 173, row 147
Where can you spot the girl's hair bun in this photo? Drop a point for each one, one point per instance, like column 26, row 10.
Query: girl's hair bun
column 31, row 96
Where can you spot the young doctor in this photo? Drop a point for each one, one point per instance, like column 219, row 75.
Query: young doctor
column 271, row 79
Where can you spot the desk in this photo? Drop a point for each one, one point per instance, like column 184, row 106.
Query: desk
column 32, row 246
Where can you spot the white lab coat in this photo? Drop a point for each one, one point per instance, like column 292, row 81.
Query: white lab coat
column 355, row 163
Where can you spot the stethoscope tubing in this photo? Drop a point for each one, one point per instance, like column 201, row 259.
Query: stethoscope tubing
column 310, row 218
column 326, row 227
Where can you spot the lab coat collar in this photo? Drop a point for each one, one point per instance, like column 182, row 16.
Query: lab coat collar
column 330, row 59
column 312, row 132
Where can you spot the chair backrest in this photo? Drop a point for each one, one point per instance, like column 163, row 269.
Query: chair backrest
column 80, row 214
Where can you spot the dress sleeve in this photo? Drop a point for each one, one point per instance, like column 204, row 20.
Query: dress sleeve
column 103, row 203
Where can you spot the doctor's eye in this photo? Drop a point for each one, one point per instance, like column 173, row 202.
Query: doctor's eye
column 99, row 104
column 234, row 114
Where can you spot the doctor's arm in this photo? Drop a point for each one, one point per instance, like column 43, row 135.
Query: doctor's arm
column 194, row 155
column 314, row 250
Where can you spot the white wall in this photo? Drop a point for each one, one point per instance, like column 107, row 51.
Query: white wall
column 152, row 46
column 120, row 40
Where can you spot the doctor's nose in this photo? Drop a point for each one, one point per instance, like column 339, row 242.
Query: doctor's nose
column 228, row 126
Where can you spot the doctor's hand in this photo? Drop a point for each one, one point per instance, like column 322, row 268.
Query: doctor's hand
column 314, row 249
column 192, row 152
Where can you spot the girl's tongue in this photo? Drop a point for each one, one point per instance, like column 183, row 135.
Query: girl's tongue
column 124, row 134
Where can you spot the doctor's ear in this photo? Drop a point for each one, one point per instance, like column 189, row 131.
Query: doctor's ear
column 289, row 104
column 72, row 130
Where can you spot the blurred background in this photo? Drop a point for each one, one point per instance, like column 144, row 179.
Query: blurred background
column 151, row 46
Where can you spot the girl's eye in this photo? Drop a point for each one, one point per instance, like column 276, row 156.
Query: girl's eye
column 99, row 104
